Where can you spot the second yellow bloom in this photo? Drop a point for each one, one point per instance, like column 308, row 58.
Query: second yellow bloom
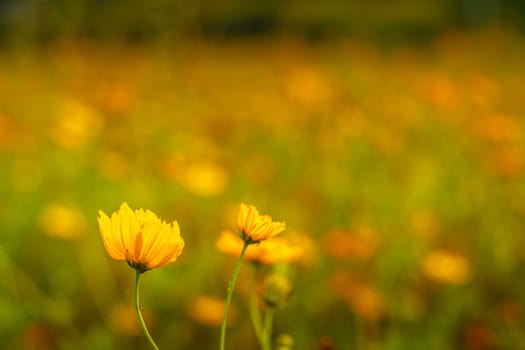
column 254, row 228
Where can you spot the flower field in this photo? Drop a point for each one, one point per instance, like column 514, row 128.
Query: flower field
column 399, row 172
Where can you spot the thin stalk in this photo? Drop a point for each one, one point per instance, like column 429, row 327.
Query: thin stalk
column 230, row 293
column 268, row 325
column 255, row 312
column 139, row 314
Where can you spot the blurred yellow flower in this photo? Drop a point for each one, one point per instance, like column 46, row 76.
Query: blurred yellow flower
column 140, row 238
column 76, row 124
column 308, row 246
column 62, row 222
column 446, row 267
column 254, row 227
column 205, row 179
column 267, row 252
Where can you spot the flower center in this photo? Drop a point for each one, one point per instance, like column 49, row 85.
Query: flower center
column 141, row 267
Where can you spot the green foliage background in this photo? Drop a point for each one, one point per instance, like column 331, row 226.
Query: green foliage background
column 42, row 21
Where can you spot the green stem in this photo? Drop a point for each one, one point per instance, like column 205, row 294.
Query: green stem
column 255, row 313
column 268, row 325
column 139, row 314
column 230, row 293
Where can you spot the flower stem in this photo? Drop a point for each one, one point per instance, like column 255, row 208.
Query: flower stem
column 230, row 293
column 139, row 314
column 268, row 325
column 255, row 313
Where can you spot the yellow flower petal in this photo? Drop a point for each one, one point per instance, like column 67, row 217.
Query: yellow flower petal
column 113, row 247
column 254, row 227
column 140, row 238
column 277, row 250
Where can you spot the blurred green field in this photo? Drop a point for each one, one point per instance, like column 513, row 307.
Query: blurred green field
column 399, row 170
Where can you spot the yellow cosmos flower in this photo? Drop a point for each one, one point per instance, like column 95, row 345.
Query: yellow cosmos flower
column 254, row 227
column 140, row 238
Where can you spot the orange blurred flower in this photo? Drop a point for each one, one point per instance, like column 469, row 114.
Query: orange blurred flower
column 38, row 336
column 498, row 128
column 254, row 227
column 507, row 161
column 268, row 252
column 342, row 244
column 425, row 224
column 122, row 319
column 363, row 298
column 308, row 85
column 7, row 131
column 208, row 310
column 140, row 238
column 477, row 336
column 366, row 301
column 441, row 91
